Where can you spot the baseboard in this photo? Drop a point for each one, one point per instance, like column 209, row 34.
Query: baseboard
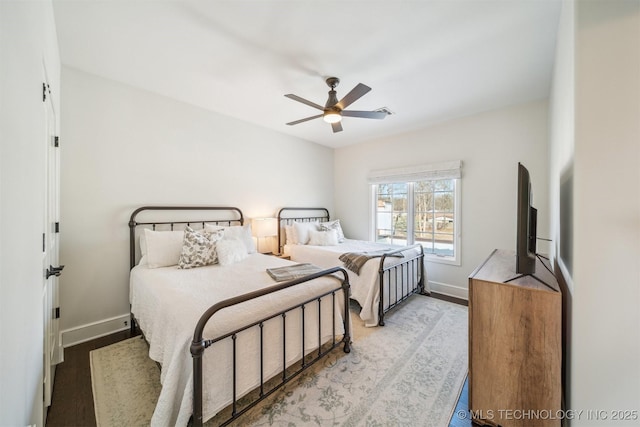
column 58, row 356
column 83, row 333
column 449, row 290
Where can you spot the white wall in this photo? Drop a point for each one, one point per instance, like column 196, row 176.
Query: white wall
column 604, row 361
column 27, row 41
column 123, row 148
column 490, row 145
column 561, row 160
column 562, row 135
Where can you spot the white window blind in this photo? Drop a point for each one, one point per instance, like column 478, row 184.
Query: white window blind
column 433, row 171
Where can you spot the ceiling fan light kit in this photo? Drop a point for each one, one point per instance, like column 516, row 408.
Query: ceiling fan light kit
column 334, row 110
column 332, row 117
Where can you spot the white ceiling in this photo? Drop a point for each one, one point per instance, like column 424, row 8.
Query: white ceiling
column 427, row 61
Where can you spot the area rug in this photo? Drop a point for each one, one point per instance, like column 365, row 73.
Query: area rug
column 409, row 372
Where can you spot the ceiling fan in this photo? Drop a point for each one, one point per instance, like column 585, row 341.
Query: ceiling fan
column 334, row 110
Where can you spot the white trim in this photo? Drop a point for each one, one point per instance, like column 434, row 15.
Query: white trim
column 373, row 224
column 59, row 351
column 449, row 290
column 83, row 333
column 432, row 171
column 440, row 259
column 411, row 211
column 565, row 274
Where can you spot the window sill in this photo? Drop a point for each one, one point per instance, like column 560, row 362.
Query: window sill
column 442, row 259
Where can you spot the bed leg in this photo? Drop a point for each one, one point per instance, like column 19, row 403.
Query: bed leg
column 346, row 291
column 422, row 290
column 132, row 324
column 197, row 348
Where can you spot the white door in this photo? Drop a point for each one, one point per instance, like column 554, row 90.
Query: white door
column 52, row 354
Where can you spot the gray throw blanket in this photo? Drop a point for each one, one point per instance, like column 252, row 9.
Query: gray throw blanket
column 355, row 260
column 291, row 272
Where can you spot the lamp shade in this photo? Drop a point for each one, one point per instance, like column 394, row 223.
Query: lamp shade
column 264, row 227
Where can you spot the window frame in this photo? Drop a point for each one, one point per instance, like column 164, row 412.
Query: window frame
column 457, row 190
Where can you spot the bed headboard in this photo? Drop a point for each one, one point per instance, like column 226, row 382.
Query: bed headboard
column 288, row 215
column 178, row 218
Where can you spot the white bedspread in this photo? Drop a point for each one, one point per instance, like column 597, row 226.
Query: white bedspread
column 168, row 302
column 365, row 287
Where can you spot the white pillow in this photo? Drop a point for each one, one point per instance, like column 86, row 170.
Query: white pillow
column 289, row 232
column 212, row 227
column 301, row 230
column 162, row 247
column 231, row 251
column 333, row 225
column 323, row 238
column 198, row 248
column 143, row 240
column 242, row 232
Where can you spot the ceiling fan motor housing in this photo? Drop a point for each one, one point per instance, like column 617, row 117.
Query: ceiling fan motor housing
column 332, row 101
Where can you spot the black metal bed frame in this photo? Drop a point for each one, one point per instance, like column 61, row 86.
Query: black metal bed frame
column 408, row 274
column 200, row 344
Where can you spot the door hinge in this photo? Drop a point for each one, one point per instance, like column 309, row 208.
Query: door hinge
column 44, row 243
column 56, row 227
column 44, row 92
column 56, row 141
column 56, row 313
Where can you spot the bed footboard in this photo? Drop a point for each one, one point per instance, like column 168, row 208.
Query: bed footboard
column 199, row 344
column 405, row 278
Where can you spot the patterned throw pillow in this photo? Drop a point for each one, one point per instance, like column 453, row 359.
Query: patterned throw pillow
column 333, row 225
column 199, row 248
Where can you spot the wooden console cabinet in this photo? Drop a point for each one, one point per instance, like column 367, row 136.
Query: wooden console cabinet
column 515, row 345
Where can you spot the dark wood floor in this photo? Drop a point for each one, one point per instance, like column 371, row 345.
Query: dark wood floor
column 72, row 401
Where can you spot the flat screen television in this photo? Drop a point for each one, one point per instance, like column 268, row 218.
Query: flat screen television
column 526, row 225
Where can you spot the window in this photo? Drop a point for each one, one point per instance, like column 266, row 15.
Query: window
column 434, row 214
column 391, row 213
column 419, row 210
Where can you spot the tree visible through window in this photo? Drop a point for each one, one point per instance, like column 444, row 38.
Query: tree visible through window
column 421, row 212
column 392, row 213
column 434, row 216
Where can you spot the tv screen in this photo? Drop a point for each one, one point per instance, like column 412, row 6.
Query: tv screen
column 526, row 225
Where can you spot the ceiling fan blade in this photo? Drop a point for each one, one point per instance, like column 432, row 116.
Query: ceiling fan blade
column 304, row 101
column 365, row 114
column 337, row 127
column 304, row 120
column 353, row 96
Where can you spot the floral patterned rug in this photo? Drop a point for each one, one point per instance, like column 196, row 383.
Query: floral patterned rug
column 407, row 373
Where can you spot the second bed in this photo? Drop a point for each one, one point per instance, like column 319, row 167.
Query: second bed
column 386, row 274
